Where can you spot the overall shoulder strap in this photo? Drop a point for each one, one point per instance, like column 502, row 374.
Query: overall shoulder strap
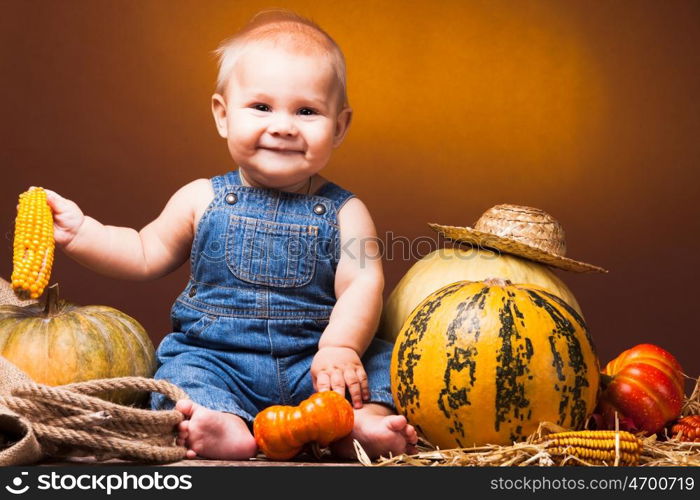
column 233, row 178
column 218, row 183
column 335, row 193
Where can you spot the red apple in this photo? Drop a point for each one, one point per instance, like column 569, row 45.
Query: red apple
column 644, row 385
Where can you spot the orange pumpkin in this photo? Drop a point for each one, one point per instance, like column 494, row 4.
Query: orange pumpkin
column 56, row 342
column 282, row 431
column 643, row 385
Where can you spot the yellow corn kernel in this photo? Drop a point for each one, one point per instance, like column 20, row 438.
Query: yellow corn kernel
column 33, row 245
column 595, row 447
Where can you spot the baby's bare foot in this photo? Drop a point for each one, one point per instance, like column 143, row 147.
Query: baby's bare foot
column 379, row 435
column 214, row 434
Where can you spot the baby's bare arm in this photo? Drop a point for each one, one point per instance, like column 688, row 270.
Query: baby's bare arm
column 159, row 248
column 359, row 282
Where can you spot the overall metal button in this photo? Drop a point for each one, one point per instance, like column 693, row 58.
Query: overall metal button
column 319, row 209
column 231, row 198
column 193, row 291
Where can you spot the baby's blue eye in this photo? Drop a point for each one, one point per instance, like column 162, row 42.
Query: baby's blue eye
column 307, row 111
column 261, row 107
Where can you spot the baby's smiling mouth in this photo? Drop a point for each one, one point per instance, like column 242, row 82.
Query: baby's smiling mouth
column 281, row 150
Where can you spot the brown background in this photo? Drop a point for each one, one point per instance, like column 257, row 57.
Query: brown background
column 586, row 109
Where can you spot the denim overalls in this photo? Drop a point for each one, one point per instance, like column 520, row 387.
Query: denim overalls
column 261, row 291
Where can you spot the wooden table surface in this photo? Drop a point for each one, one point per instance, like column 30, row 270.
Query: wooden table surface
column 256, row 462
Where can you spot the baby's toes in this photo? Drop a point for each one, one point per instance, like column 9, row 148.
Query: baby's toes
column 411, row 434
column 411, row 440
column 182, row 432
column 183, row 429
column 185, row 406
column 396, row 423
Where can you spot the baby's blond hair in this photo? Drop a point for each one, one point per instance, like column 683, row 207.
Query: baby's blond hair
column 288, row 29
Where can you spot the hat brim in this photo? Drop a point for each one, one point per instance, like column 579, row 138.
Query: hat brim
column 487, row 240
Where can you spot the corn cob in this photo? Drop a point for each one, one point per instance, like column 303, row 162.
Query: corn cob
column 687, row 428
column 595, row 447
column 33, row 244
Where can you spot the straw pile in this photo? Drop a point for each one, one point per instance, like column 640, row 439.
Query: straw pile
column 691, row 406
column 657, row 451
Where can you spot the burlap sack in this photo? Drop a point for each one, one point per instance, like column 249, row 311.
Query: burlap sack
column 18, row 444
column 18, row 439
column 8, row 296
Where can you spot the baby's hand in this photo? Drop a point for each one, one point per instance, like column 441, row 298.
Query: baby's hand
column 337, row 368
column 67, row 218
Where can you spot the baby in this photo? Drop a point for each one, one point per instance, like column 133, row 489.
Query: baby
column 273, row 309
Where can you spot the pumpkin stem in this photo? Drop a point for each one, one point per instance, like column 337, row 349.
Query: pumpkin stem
column 497, row 282
column 605, row 381
column 51, row 305
column 316, row 451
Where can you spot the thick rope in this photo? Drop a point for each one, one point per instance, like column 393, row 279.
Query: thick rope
column 69, row 418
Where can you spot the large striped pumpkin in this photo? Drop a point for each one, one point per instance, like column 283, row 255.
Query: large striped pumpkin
column 56, row 343
column 486, row 362
column 447, row 265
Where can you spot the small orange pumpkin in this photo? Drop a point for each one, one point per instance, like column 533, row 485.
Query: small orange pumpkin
column 282, row 431
column 644, row 385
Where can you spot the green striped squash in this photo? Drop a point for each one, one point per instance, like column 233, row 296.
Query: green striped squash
column 487, row 361
column 57, row 343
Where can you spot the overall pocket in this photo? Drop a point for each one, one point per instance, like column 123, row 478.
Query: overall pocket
column 200, row 326
column 271, row 253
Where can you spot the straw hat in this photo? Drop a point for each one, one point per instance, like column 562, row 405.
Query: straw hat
column 523, row 231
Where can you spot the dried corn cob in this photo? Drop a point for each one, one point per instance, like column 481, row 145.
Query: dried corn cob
column 33, row 245
column 687, row 428
column 595, row 447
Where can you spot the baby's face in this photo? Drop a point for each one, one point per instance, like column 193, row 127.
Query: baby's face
column 281, row 114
